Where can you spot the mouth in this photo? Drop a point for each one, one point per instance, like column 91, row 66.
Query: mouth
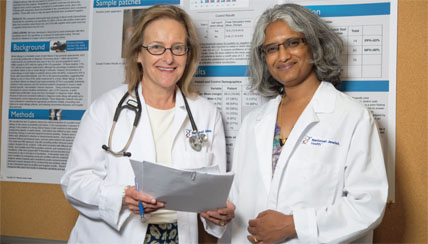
column 168, row 69
column 286, row 66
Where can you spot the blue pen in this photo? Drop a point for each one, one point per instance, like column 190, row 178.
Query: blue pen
column 140, row 204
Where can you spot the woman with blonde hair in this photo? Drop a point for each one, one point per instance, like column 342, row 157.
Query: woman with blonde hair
column 160, row 119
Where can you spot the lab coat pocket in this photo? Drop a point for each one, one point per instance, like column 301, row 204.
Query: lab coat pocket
column 314, row 183
column 195, row 160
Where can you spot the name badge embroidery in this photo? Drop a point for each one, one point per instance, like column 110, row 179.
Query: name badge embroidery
column 189, row 132
column 309, row 140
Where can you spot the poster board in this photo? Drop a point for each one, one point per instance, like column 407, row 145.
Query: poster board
column 40, row 210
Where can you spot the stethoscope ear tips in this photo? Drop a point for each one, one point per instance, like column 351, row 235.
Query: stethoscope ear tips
column 107, row 149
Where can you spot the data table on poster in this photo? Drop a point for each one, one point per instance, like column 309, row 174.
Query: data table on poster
column 234, row 102
column 217, row 4
column 363, row 50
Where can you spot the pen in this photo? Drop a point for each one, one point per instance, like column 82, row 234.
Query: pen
column 140, row 204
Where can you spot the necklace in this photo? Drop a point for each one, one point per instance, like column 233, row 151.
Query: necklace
column 281, row 139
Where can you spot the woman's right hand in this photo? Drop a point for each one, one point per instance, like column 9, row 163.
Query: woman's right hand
column 133, row 197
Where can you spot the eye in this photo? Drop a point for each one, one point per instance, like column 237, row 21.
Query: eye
column 271, row 48
column 156, row 47
column 179, row 48
column 293, row 42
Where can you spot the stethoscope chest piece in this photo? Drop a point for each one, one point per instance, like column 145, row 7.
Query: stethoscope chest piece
column 196, row 141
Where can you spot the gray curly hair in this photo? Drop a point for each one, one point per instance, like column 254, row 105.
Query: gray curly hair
column 326, row 47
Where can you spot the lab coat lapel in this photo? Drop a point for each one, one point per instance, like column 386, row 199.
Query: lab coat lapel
column 264, row 131
column 142, row 146
column 307, row 118
column 322, row 102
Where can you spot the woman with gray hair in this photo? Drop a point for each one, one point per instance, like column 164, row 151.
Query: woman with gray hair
column 308, row 164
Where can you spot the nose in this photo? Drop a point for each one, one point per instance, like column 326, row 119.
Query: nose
column 168, row 56
column 283, row 53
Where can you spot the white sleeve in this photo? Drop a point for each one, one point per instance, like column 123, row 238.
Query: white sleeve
column 219, row 151
column 83, row 182
column 364, row 193
column 218, row 146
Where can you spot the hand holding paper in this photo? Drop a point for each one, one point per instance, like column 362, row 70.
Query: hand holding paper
column 133, row 198
column 221, row 216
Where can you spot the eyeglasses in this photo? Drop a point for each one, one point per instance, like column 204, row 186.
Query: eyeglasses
column 156, row 49
column 289, row 44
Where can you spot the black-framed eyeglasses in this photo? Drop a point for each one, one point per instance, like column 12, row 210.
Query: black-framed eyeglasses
column 289, row 44
column 157, row 49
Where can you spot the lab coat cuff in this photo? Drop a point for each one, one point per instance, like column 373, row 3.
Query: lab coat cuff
column 110, row 207
column 306, row 225
column 213, row 229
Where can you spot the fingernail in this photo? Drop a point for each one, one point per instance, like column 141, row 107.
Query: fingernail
column 153, row 201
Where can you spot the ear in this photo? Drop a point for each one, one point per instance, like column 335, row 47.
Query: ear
column 140, row 56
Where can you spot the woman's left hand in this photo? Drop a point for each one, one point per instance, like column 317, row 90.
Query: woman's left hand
column 271, row 226
column 221, row 216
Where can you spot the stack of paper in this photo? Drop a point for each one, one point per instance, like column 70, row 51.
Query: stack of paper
column 183, row 190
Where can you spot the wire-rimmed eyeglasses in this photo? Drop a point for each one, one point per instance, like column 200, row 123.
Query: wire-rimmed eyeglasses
column 289, row 44
column 177, row 49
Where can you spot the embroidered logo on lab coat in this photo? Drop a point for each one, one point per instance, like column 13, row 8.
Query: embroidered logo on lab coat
column 189, row 132
column 306, row 140
column 318, row 142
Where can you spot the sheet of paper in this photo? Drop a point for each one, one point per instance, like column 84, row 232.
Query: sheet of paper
column 193, row 190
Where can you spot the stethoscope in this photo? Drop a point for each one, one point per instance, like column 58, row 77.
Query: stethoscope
column 196, row 141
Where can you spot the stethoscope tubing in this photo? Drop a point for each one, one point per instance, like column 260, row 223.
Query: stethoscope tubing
column 196, row 140
column 119, row 108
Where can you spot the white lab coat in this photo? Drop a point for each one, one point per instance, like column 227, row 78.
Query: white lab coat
column 330, row 175
column 94, row 180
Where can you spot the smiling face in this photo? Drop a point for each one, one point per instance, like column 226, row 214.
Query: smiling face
column 289, row 65
column 165, row 70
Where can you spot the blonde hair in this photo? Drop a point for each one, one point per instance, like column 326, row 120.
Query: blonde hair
column 133, row 69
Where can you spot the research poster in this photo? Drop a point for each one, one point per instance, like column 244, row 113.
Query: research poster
column 61, row 55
